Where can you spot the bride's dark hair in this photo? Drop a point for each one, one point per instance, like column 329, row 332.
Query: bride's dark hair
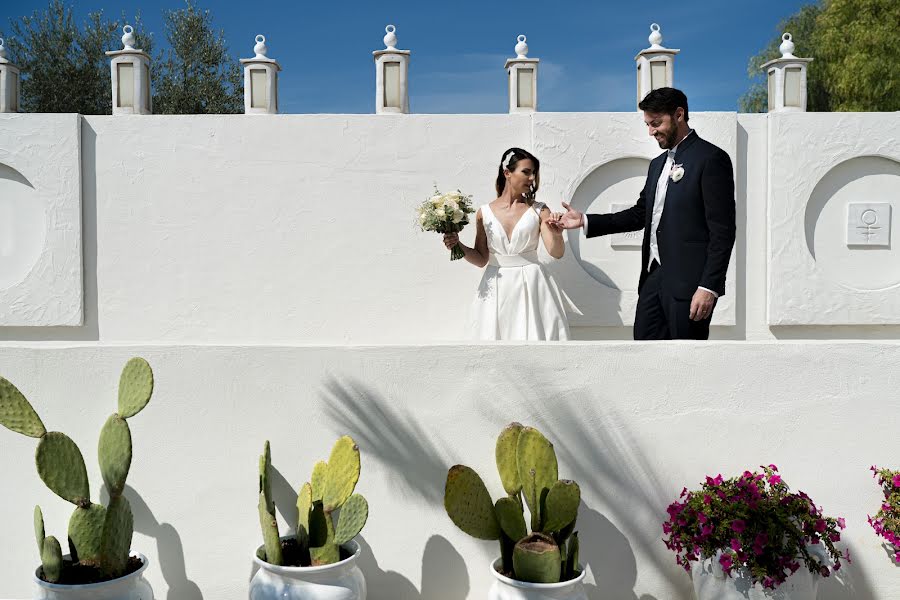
column 508, row 162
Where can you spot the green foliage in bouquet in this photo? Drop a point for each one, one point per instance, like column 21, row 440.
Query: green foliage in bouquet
column 99, row 536
column 329, row 513
column 446, row 213
column 528, row 470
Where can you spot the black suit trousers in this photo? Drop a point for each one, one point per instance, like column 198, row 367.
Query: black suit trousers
column 662, row 316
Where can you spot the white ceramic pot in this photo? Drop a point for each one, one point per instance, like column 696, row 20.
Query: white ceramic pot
column 505, row 588
column 711, row 583
column 130, row 587
column 341, row 581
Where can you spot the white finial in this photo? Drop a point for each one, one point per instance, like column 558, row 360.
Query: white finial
column 787, row 46
column 390, row 40
column 260, row 48
column 128, row 38
column 2, row 49
column 521, row 47
column 655, row 38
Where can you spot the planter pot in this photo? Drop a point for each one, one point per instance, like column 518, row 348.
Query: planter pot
column 505, row 588
column 711, row 583
column 130, row 587
column 341, row 581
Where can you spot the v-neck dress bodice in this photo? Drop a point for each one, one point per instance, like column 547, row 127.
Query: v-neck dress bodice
column 517, row 299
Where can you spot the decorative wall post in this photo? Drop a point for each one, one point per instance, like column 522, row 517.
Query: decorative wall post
column 130, row 78
column 522, row 79
column 391, row 76
column 9, row 83
column 786, row 79
column 260, row 81
column 655, row 65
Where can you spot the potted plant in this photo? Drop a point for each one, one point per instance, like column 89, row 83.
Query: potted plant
column 538, row 565
column 887, row 521
column 100, row 564
column 746, row 536
column 318, row 561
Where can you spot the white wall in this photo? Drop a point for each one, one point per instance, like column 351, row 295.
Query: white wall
column 632, row 423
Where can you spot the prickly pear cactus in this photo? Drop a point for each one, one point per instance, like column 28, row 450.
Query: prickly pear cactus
column 98, row 536
column 528, row 469
column 329, row 514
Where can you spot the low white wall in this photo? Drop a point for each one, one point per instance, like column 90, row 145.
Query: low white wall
column 633, row 423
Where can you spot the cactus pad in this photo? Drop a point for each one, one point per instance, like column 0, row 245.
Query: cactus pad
column 271, row 539
column 39, row 534
column 118, row 527
column 536, row 559
column 86, row 533
column 505, row 452
column 114, row 454
column 61, row 467
column 265, row 485
column 16, row 413
column 317, row 481
column 329, row 552
column 304, row 507
column 51, row 559
column 571, row 570
column 469, row 504
column 537, row 470
column 561, row 506
column 135, row 387
column 511, row 519
column 342, row 473
column 353, row 517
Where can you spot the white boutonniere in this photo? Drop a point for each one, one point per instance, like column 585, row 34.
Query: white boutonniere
column 677, row 172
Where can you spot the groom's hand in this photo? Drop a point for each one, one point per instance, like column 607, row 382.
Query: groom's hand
column 571, row 219
column 702, row 305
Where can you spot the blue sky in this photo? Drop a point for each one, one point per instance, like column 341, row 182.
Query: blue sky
column 586, row 48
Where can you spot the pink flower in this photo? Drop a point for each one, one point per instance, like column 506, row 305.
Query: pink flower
column 726, row 562
column 820, row 525
column 735, row 544
column 738, row 525
column 895, row 481
column 841, row 522
column 773, row 479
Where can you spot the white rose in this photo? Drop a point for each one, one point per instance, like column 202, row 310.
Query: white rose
column 437, row 200
column 458, row 215
column 677, row 173
column 451, row 206
column 422, row 218
column 439, row 213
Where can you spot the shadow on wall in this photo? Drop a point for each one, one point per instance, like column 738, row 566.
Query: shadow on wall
column 393, row 438
column 168, row 547
column 90, row 331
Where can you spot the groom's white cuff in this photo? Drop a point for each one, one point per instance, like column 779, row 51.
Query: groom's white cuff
column 700, row 287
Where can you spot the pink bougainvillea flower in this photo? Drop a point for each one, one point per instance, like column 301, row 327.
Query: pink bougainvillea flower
column 842, row 523
column 773, row 479
column 726, row 562
column 738, row 525
column 820, row 525
column 895, row 481
column 735, row 544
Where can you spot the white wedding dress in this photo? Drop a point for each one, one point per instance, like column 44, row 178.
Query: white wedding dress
column 517, row 299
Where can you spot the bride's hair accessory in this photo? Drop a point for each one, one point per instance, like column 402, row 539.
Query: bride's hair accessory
column 507, row 159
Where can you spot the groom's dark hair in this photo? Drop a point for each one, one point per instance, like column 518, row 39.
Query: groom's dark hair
column 665, row 100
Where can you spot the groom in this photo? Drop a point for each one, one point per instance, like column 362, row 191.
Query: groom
column 686, row 210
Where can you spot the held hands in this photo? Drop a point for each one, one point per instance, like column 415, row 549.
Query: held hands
column 701, row 305
column 571, row 219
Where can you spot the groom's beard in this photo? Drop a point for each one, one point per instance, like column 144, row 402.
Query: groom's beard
column 669, row 141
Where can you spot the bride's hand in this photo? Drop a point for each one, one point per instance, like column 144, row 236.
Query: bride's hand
column 450, row 240
column 554, row 222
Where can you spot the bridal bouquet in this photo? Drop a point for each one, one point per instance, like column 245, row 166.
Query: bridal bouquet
column 446, row 213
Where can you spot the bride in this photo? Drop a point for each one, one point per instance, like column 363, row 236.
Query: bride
column 517, row 299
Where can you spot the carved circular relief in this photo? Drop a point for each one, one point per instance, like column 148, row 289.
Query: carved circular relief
column 22, row 227
column 849, row 220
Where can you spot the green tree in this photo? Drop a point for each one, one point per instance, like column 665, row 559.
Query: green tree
column 198, row 75
column 860, row 55
column 64, row 65
column 802, row 27
column 856, row 60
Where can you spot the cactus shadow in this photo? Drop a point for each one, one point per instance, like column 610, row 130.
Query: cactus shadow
column 390, row 436
column 444, row 574
column 285, row 497
column 169, row 548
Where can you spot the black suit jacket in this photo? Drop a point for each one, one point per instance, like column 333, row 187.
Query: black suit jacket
column 697, row 228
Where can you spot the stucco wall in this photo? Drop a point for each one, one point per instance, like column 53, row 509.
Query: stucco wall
column 633, row 423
